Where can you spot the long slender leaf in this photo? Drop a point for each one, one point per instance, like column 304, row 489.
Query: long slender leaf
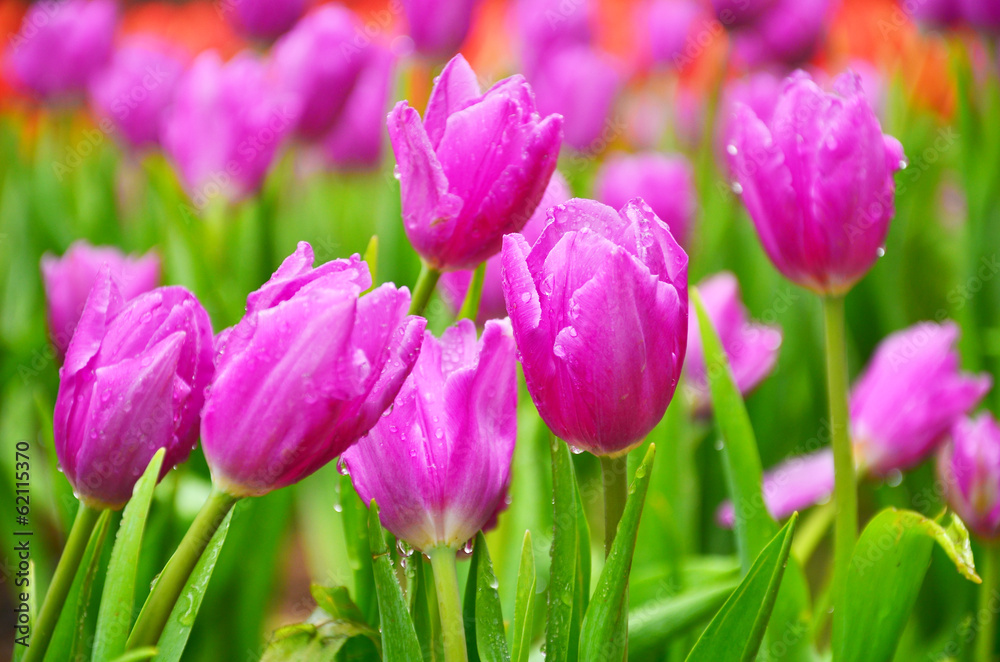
column 399, row 638
column 423, row 609
column 736, row 632
column 604, row 632
column 524, row 603
column 469, row 611
column 490, row 639
column 115, row 615
column 887, row 569
column 652, row 625
column 178, row 628
column 559, row 646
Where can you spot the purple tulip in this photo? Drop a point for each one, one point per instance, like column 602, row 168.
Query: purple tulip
column 969, row 468
column 665, row 182
column 438, row 27
column 982, row 14
column 264, row 19
column 738, row 13
column 788, row 33
column 937, row 13
column 818, row 182
column 69, row 279
column 135, row 89
column 438, row 463
column 475, row 169
column 318, row 64
column 308, row 370
column 902, row 407
column 669, row 24
column 909, row 396
column 545, row 26
column 581, row 84
column 600, row 386
column 751, row 349
column 133, row 383
column 454, row 285
column 355, row 142
column 225, row 126
column 793, row 485
column 61, row 45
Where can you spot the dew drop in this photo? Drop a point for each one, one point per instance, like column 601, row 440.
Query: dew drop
column 894, row 478
column 342, row 467
column 526, row 297
column 719, row 444
column 880, row 251
column 737, row 188
column 731, row 149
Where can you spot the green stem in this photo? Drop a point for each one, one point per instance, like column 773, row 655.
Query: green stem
column 422, row 291
column 470, row 307
column 986, row 639
column 163, row 597
column 62, row 581
column 449, row 603
column 614, row 473
column 845, row 486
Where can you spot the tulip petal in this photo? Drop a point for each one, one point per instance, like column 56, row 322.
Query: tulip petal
column 453, row 90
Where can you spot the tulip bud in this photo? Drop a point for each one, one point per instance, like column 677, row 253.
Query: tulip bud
column 308, row 370
column 136, row 88
column 69, row 279
column 438, row 463
column 581, row 84
column 909, row 397
column 264, row 19
column 818, row 183
column 665, row 182
column 751, row 349
column 356, row 139
column 475, row 169
column 318, row 64
column 133, row 382
column 61, row 45
column 225, row 126
column 969, row 468
column 454, row 285
column 600, row 386
column 438, row 27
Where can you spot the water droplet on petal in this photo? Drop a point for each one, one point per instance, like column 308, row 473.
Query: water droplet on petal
column 731, row 149
column 737, row 188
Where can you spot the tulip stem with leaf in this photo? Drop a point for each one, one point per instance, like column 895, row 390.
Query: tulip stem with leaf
column 614, row 476
column 986, row 639
column 845, row 481
column 449, row 603
column 62, row 581
column 155, row 612
column 424, row 288
column 470, row 307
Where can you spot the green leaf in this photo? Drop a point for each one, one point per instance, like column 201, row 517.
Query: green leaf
column 469, row 611
column 336, row 602
column 356, row 536
column 490, row 639
column 399, row 638
column 67, row 639
column 524, row 603
column 886, row 572
column 559, row 644
column 178, row 628
column 737, row 630
column 604, row 632
column 652, row 625
column 424, row 609
column 317, row 640
column 137, row 655
column 115, row 615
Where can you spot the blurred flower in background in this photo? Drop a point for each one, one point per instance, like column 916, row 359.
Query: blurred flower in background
column 969, row 468
column 137, row 86
column 69, row 279
column 225, row 126
column 438, row 28
column 61, row 46
column 264, row 19
column 669, row 25
column 787, row 33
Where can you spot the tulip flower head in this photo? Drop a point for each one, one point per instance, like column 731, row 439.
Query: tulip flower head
column 969, row 468
column 306, row 373
column 264, row 19
column 475, row 169
column 317, row 63
column 356, row 139
column 69, row 279
column 664, row 181
column 599, row 309
column 910, row 396
column 751, row 348
column 817, row 181
column 438, row 463
column 133, row 382
column 454, row 285
column 225, row 126
column 61, row 46
column 136, row 88
column 438, row 27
